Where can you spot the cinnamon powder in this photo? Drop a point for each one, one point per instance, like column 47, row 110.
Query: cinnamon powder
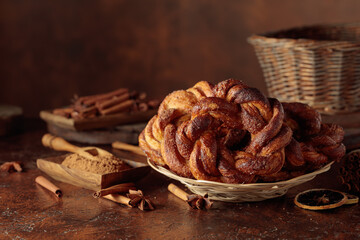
column 102, row 165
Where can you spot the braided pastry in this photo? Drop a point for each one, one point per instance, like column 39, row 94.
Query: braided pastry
column 232, row 133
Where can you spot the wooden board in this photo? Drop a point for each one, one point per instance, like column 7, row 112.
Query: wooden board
column 124, row 133
column 97, row 122
column 52, row 167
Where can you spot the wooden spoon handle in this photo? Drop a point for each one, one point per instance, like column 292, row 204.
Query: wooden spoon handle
column 128, row 147
column 58, row 144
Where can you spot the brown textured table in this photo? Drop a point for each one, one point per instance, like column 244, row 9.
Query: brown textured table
column 27, row 211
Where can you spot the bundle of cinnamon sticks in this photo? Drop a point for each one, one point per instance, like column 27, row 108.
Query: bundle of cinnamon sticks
column 350, row 172
column 118, row 101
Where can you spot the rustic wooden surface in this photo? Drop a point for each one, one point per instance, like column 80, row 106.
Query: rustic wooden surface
column 125, row 133
column 28, row 211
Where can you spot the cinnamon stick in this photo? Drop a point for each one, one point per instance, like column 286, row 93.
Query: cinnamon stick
column 113, row 101
column 120, row 188
column 133, row 199
column 88, row 111
column 119, row 199
column 118, row 108
column 84, row 112
column 42, row 181
column 99, row 97
column 117, row 101
column 195, row 201
column 178, row 192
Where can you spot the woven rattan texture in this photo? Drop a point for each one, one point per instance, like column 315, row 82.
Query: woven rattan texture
column 317, row 65
column 227, row 192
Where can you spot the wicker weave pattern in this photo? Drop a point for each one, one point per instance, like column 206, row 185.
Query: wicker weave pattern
column 318, row 65
column 240, row 192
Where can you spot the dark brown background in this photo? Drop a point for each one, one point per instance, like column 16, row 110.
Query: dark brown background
column 52, row 49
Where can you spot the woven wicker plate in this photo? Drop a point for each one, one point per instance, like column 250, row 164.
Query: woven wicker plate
column 240, row 192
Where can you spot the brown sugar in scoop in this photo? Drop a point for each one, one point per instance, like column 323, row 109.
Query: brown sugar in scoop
column 102, row 165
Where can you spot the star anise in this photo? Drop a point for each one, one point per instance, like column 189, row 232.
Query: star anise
column 195, row 201
column 137, row 199
column 199, row 202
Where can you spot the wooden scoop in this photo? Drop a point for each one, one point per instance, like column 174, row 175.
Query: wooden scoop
column 60, row 144
column 94, row 181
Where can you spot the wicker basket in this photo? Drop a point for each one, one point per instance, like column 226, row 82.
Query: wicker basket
column 317, row 65
column 240, row 192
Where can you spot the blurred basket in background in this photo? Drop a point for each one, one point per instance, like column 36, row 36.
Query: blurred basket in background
column 318, row 65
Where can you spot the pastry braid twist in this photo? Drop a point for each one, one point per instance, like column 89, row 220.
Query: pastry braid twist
column 227, row 133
